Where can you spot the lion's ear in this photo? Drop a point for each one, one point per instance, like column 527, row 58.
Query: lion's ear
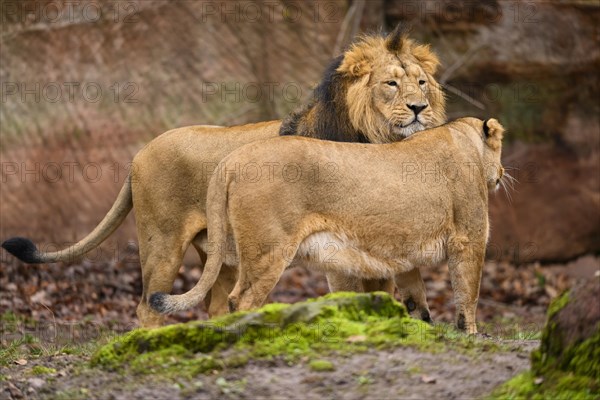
column 355, row 64
column 486, row 129
column 493, row 132
column 427, row 58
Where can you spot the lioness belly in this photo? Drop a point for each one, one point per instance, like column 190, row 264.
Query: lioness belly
column 334, row 252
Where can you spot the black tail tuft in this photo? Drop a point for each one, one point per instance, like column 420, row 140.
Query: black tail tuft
column 157, row 302
column 23, row 249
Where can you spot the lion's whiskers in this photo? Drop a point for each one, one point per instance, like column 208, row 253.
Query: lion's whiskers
column 507, row 182
column 510, row 180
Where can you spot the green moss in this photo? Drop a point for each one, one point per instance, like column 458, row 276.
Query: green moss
column 556, row 386
column 292, row 331
column 558, row 371
column 558, row 304
column 321, row 365
column 581, row 358
column 41, row 370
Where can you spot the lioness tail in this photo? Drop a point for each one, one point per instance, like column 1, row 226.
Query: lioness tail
column 216, row 211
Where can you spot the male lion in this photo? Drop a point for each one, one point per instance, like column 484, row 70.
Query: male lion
column 381, row 213
column 381, row 89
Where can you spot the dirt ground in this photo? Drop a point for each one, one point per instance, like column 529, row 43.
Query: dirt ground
column 99, row 295
column 402, row 373
column 58, row 314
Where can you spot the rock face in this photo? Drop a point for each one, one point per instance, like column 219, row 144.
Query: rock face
column 571, row 338
column 86, row 85
column 85, row 89
column 567, row 364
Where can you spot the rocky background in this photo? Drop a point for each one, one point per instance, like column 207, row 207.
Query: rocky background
column 86, row 84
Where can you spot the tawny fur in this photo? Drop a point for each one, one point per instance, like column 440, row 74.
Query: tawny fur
column 383, row 213
column 170, row 175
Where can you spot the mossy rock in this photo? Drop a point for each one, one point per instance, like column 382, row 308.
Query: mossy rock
column 567, row 364
column 571, row 337
column 293, row 331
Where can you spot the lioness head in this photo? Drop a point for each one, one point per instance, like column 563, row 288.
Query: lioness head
column 382, row 89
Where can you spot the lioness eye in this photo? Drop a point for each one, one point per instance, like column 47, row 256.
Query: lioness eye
column 422, row 82
column 392, row 83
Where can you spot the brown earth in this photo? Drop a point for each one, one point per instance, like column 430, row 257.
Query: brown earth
column 402, row 373
column 80, row 301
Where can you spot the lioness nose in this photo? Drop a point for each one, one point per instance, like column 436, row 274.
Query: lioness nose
column 417, row 108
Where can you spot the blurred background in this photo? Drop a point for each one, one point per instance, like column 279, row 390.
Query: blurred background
column 85, row 84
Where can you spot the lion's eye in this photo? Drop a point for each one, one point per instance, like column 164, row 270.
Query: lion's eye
column 422, row 82
column 392, row 83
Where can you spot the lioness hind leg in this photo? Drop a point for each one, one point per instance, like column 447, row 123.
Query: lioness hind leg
column 219, row 293
column 255, row 282
column 216, row 299
column 412, row 293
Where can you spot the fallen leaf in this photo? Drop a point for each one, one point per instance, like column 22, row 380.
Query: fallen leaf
column 550, row 291
column 427, row 379
column 356, row 338
column 538, row 380
column 21, row 361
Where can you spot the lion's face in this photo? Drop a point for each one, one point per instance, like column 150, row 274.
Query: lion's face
column 401, row 93
column 391, row 91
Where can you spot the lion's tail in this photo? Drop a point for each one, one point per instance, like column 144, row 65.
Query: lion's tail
column 216, row 211
column 26, row 251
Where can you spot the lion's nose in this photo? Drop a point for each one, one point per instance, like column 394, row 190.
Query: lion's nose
column 417, row 108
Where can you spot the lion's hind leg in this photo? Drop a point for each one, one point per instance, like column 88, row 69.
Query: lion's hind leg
column 161, row 256
column 255, row 281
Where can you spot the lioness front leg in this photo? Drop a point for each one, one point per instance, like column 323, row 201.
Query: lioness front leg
column 466, row 265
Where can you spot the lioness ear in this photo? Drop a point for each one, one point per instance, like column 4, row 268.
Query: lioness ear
column 486, row 129
column 355, row 64
column 493, row 132
column 427, row 58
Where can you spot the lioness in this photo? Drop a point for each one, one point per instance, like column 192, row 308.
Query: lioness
column 383, row 213
column 380, row 90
